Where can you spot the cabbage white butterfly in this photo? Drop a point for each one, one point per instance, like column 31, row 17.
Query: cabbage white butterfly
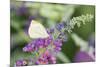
column 37, row 30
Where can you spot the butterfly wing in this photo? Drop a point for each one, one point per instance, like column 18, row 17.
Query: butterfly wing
column 37, row 30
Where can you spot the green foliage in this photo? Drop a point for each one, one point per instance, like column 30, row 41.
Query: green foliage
column 19, row 54
column 49, row 15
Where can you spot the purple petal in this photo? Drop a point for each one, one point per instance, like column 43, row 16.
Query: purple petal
column 82, row 57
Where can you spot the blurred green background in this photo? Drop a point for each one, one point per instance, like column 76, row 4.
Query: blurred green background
column 49, row 14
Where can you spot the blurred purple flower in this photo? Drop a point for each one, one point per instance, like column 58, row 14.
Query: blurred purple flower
column 36, row 44
column 51, row 31
column 46, row 58
column 18, row 62
column 30, row 47
column 60, row 26
column 57, row 45
column 22, row 11
column 46, row 47
column 82, row 57
column 21, row 62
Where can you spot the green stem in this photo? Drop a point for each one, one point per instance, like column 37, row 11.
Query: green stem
column 62, row 57
column 80, row 42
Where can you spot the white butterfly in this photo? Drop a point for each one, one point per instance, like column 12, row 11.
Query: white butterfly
column 37, row 30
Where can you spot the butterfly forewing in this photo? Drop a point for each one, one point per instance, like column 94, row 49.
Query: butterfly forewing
column 37, row 30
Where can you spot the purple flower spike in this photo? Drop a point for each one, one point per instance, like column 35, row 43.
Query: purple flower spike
column 58, row 48
column 47, row 41
column 25, row 49
column 19, row 63
column 58, row 42
column 46, row 58
column 57, row 45
column 39, row 42
column 59, row 26
column 28, row 48
column 50, row 31
column 46, row 48
column 22, row 11
column 82, row 57
column 52, row 60
column 37, row 63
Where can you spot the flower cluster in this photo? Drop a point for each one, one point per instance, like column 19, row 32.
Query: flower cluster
column 36, row 44
column 46, row 58
column 82, row 56
column 45, row 49
column 21, row 62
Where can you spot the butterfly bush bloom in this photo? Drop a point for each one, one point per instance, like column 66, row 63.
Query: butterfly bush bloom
column 46, row 58
column 82, row 56
column 44, row 50
column 22, row 11
column 21, row 62
column 36, row 44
